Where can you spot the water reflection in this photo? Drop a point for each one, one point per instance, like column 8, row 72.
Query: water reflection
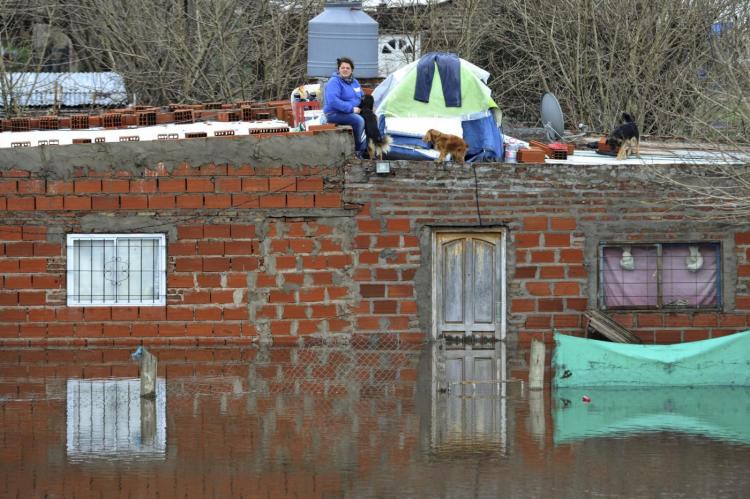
column 349, row 421
column 468, row 403
column 715, row 412
column 109, row 419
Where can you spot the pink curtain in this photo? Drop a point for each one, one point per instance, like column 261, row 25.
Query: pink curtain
column 630, row 288
column 683, row 287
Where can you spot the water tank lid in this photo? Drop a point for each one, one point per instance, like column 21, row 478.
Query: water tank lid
column 355, row 4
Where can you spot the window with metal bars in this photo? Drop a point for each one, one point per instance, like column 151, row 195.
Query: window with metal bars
column 116, row 269
column 660, row 276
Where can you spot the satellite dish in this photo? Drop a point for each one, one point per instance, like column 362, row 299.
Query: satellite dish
column 552, row 117
column 552, row 120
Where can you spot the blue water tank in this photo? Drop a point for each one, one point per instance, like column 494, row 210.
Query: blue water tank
column 342, row 29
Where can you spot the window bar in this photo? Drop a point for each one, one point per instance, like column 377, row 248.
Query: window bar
column 127, row 284
column 156, row 270
column 104, row 270
column 91, row 272
column 719, row 277
column 77, row 269
column 140, row 274
column 601, row 298
column 659, row 301
column 154, row 259
column 154, row 249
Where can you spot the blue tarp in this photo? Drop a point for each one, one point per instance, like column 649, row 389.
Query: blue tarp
column 485, row 140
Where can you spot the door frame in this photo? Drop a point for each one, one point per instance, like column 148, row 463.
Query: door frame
column 501, row 305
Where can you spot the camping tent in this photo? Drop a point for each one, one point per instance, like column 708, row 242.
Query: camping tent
column 444, row 92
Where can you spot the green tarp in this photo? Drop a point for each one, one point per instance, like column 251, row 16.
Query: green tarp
column 581, row 362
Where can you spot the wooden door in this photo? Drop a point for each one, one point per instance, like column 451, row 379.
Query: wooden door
column 469, row 285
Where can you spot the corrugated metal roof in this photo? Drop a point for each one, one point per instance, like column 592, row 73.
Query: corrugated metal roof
column 73, row 89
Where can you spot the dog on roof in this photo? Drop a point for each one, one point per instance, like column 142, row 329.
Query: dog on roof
column 447, row 144
column 377, row 144
column 625, row 139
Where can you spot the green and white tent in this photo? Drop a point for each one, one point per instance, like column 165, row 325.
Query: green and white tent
column 413, row 99
column 394, row 97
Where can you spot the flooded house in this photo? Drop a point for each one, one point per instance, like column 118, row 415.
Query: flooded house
column 328, row 326
column 279, row 279
column 286, row 239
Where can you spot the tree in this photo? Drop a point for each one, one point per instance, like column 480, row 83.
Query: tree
column 197, row 50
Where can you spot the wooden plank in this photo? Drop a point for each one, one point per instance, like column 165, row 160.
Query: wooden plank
column 610, row 329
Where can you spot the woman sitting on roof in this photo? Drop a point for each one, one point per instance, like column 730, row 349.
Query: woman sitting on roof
column 342, row 97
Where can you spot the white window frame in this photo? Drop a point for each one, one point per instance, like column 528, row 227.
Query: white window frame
column 161, row 271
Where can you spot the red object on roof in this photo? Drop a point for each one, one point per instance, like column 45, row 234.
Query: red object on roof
column 299, row 108
column 559, row 150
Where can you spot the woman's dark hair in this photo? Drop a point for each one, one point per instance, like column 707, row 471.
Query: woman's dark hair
column 342, row 60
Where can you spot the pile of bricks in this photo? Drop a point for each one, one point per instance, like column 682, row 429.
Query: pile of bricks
column 148, row 116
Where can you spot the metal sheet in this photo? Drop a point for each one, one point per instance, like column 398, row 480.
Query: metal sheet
column 66, row 89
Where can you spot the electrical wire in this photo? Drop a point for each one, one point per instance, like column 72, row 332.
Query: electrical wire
column 476, row 194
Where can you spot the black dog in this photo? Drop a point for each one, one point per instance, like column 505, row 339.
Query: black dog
column 625, row 138
column 377, row 144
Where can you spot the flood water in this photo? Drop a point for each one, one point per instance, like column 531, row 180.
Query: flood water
column 352, row 422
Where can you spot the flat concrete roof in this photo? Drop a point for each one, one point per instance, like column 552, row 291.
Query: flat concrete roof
column 657, row 156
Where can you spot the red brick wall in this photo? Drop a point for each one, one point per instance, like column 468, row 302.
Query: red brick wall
column 554, row 216
column 213, row 215
column 285, row 253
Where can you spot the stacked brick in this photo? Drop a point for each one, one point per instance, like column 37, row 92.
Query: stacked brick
column 148, row 116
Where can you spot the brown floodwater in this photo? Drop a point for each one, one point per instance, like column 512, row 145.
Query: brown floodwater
column 352, row 422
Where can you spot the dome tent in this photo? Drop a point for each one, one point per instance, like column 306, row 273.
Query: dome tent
column 444, row 92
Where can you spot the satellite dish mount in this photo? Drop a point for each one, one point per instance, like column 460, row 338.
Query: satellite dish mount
column 552, row 120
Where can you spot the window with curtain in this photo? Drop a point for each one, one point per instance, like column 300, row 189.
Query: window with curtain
column 116, row 269
column 660, row 275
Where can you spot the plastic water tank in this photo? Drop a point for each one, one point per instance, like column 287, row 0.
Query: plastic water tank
column 342, row 29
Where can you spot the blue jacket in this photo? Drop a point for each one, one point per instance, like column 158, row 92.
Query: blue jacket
column 341, row 96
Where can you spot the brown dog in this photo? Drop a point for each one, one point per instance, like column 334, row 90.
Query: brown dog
column 628, row 147
column 447, row 144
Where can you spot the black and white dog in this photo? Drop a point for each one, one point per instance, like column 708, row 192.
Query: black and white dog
column 377, row 144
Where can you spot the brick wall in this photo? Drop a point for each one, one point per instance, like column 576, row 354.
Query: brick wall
column 555, row 216
column 210, row 253
column 254, row 247
column 263, row 246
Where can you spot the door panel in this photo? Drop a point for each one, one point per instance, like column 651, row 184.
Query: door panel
column 483, row 282
column 469, row 284
column 453, row 270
